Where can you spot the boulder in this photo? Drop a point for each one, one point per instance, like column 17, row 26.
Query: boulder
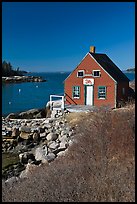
column 11, row 180
column 25, row 135
column 42, row 135
column 53, row 145
column 36, row 137
column 15, row 132
column 28, row 171
column 29, row 114
column 50, row 157
column 40, row 154
column 25, row 129
column 24, row 157
column 11, row 116
column 51, row 136
column 63, row 145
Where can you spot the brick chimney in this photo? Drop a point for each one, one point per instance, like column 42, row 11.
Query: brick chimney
column 92, row 49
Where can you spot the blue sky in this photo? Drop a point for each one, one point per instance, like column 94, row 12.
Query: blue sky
column 55, row 36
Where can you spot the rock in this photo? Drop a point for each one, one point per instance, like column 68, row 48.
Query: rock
column 24, row 157
column 11, row 180
column 25, row 135
column 29, row 114
column 51, row 136
column 63, row 145
column 25, row 129
column 36, row 137
column 40, row 154
column 15, row 132
column 11, row 116
column 50, row 157
column 62, row 138
column 42, row 135
column 47, row 125
column 29, row 170
column 54, row 145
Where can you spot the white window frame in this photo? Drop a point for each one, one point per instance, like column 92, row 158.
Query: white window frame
column 96, row 71
column 81, row 71
column 102, row 98
column 75, row 97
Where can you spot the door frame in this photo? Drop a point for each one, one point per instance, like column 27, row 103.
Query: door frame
column 85, row 93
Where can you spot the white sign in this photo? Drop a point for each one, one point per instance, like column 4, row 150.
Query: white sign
column 88, row 81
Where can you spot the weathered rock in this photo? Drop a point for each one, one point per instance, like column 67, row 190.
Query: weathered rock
column 51, row 136
column 36, row 137
column 12, row 180
column 47, row 125
column 15, row 132
column 29, row 170
column 29, row 114
column 63, row 144
column 42, row 135
column 25, row 135
column 11, row 116
column 51, row 156
column 40, row 154
column 25, row 129
column 54, row 145
column 62, row 137
column 24, row 157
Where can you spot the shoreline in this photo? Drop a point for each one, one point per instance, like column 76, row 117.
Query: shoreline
column 20, row 79
column 26, row 139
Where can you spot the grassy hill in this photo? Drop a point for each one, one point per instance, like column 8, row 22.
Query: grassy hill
column 99, row 166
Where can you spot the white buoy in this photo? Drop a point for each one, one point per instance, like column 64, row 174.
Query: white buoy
column 36, row 86
column 9, row 102
column 19, row 90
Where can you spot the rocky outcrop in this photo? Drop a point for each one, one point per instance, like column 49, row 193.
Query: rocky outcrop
column 37, row 140
column 19, row 79
column 30, row 114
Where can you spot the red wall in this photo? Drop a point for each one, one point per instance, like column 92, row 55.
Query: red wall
column 89, row 64
column 120, row 95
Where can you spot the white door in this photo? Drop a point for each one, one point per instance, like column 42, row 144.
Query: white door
column 89, row 95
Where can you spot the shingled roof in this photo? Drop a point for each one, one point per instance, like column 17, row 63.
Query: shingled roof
column 109, row 66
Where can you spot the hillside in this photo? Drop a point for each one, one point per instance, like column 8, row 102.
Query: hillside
column 99, row 166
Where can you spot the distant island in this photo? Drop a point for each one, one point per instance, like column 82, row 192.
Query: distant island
column 130, row 70
column 10, row 75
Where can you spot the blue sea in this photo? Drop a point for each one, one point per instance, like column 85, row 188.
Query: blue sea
column 34, row 94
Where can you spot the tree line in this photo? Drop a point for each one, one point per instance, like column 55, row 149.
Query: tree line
column 8, row 70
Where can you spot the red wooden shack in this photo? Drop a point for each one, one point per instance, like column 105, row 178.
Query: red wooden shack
column 96, row 81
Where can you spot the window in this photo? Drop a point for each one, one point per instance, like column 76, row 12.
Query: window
column 80, row 73
column 96, row 73
column 102, row 92
column 76, row 92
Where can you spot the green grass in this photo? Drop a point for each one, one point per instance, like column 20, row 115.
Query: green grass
column 9, row 159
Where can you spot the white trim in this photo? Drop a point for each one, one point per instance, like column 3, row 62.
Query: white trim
column 88, row 75
column 115, row 94
column 81, row 70
column 102, row 67
column 77, row 66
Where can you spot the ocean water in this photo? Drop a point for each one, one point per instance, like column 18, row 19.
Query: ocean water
column 31, row 94
column 34, row 94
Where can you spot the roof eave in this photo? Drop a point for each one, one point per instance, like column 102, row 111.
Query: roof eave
column 76, row 66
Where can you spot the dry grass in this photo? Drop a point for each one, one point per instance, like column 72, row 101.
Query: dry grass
column 98, row 167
